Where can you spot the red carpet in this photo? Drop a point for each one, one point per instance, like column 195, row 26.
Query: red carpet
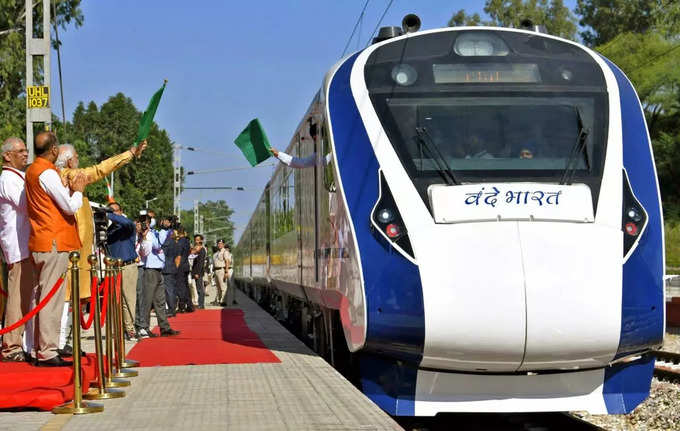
column 25, row 386
column 207, row 337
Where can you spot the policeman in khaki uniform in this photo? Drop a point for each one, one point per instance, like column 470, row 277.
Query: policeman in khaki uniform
column 221, row 263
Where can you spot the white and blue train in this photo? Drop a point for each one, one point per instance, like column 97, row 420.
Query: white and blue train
column 482, row 229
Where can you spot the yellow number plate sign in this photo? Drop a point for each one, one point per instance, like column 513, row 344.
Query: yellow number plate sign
column 38, row 96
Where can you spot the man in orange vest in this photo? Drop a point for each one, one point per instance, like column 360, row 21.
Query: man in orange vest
column 51, row 208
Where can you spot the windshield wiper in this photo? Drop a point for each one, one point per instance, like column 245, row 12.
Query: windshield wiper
column 442, row 167
column 576, row 150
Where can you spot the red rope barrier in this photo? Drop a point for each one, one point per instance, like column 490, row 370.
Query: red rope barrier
column 37, row 308
column 119, row 278
column 105, row 301
column 94, row 295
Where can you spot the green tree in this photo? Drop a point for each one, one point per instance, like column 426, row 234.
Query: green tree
column 552, row 14
column 216, row 220
column 649, row 60
column 460, row 18
column 13, row 56
column 604, row 20
column 99, row 133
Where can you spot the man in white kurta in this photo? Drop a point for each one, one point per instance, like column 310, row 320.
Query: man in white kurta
column 14, row 232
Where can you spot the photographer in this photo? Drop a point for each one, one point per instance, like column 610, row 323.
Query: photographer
column 120, row 237
column 168, row 238
column 151, row 253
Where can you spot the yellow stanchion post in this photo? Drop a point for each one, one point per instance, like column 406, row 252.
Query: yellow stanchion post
column 111, row 381
column 77, row 406
column 99, row 392
column 118, row 316
column 125, row 363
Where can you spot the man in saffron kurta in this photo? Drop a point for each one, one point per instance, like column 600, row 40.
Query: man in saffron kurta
column 67, row 162
column 51, row 206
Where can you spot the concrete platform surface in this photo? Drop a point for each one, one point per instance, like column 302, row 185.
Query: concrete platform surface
column 302, row 392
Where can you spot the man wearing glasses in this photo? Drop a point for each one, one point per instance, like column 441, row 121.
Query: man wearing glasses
column 15, row 229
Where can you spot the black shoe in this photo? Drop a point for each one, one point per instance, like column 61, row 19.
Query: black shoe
column 19, row 356
column 170, row 314
column 189, row 310
column 57, row 361
column 168, row 332
column 201, row 307
column 67, row 351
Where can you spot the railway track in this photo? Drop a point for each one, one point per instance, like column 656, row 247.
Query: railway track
column 498, row 422
column 667, row 366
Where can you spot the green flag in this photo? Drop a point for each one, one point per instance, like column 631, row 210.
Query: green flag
column 147, row 117
column 254, row 143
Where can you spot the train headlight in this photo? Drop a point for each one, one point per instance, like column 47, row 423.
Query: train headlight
column 404, row 74
column 634, row 214
column 393, row 230
column 634, row 217
column 385, row 215
column 387, row 223
column 480, row 44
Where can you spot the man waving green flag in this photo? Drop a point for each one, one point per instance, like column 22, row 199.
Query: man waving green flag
column 147, row 117
column 253, row 143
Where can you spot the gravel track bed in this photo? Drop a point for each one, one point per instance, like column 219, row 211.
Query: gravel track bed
column 661, row 411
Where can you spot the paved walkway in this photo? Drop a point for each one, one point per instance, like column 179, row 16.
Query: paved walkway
column 301, row 393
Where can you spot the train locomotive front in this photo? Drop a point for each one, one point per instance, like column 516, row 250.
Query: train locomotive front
column 483, row 221
column 506, row 213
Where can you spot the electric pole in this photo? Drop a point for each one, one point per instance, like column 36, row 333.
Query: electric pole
column 177, row 183
column 37, row 96
column 197, row 227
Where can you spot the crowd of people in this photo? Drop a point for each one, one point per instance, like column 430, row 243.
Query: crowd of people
column 44, row 215
column 173, row 274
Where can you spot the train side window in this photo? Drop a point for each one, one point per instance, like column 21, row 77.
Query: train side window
column 329, row 169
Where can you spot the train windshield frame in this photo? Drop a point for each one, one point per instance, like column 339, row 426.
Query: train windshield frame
column 495, row 105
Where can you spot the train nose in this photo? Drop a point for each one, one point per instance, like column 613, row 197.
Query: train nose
column 573, row 281
column 473, row 296
column 506, row 297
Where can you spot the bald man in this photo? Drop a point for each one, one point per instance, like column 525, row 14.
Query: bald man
column 51, row 208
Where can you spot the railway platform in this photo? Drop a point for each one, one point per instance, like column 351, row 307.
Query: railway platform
column 296, row 391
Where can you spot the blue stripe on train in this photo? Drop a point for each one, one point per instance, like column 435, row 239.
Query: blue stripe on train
column 394, row 299
column 642, row 296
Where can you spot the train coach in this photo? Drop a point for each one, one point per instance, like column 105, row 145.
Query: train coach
column 481, row 230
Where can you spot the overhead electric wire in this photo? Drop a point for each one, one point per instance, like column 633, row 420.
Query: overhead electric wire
column 361, row 16
column 211, row 171
column 61, row 84
column 379, row 22
column 653, row 59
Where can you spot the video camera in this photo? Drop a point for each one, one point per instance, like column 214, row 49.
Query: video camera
column 101, row 223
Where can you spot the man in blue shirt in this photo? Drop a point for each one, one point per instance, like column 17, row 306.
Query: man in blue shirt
column 120, row 237
column 151, row 252
column 168, row 239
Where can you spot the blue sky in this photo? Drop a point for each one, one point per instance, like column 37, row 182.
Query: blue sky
column 226, row 62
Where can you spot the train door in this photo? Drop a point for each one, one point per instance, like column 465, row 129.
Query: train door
column 313, row 132
column 268, row 230
column 298, row 212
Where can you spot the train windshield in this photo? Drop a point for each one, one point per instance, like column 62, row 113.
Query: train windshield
column 491, row 106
